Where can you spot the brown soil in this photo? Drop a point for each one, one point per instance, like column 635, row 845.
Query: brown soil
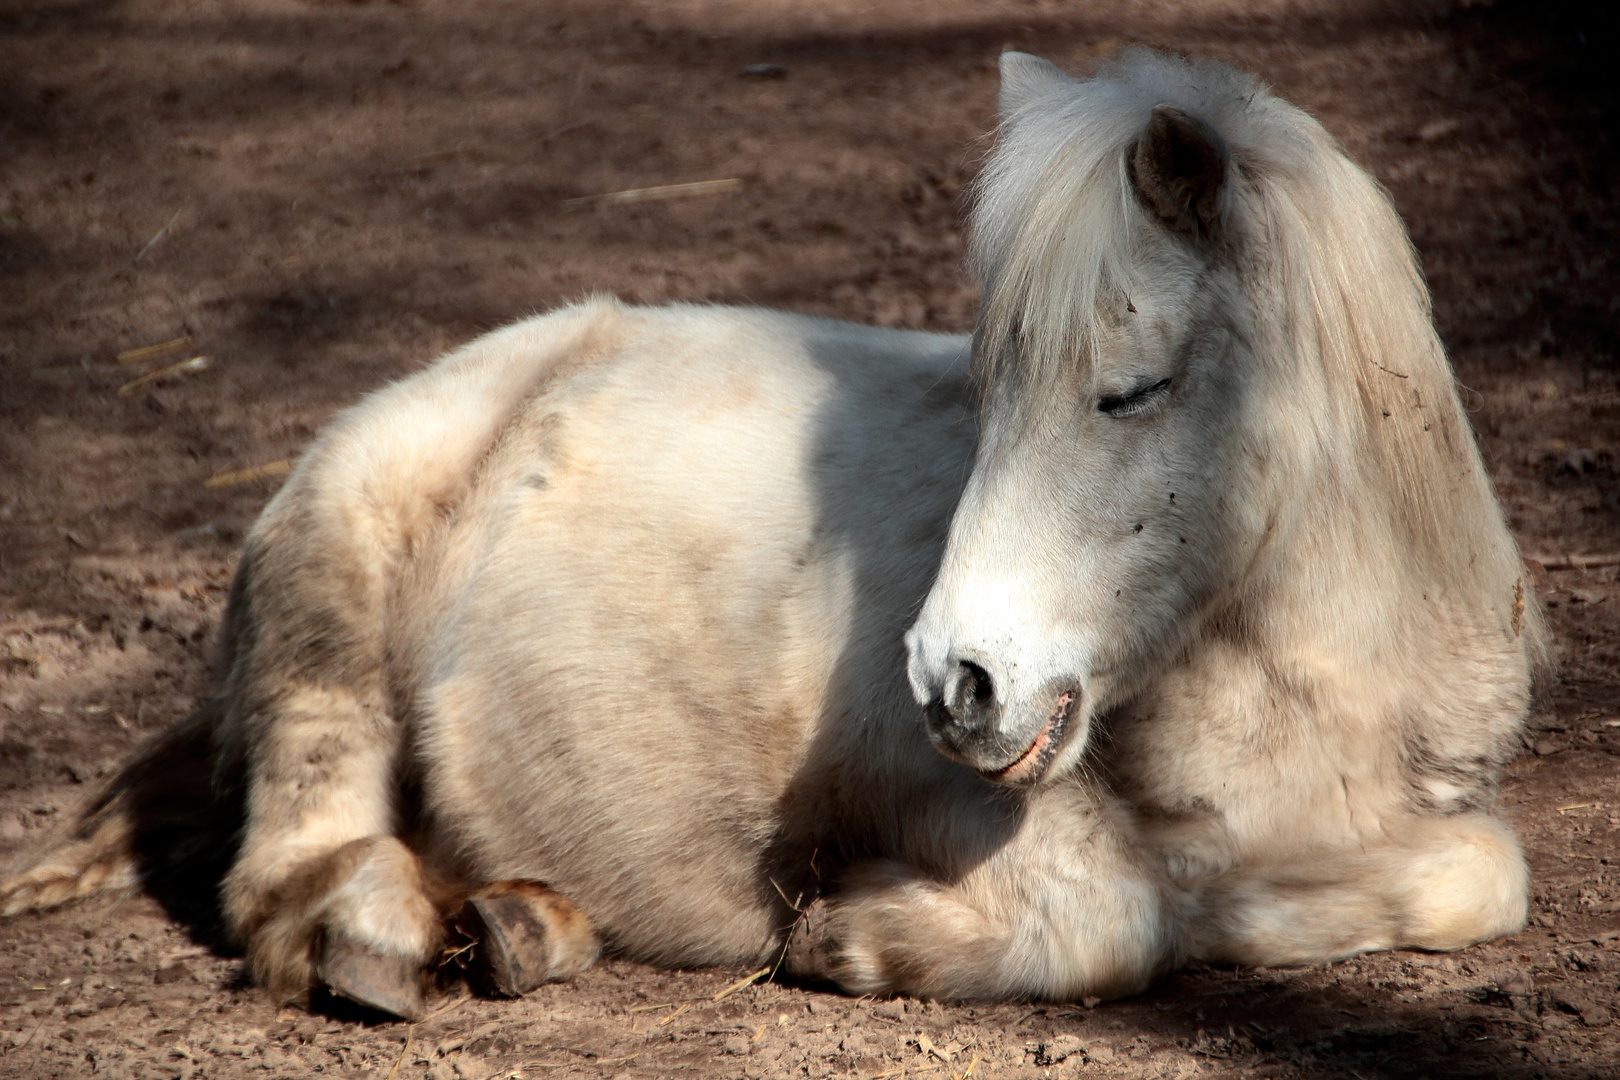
column 326, row 195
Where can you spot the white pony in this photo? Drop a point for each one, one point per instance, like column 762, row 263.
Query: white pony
column 1217, row 653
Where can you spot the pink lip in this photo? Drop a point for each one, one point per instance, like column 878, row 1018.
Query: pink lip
column 1030, row 760
column 1020, row 768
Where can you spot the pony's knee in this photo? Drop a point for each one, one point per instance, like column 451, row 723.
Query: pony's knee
column 893, row 930
column 1466, row 882
column 890, row 930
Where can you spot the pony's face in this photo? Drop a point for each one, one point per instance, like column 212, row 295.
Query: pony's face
column 1111, row 496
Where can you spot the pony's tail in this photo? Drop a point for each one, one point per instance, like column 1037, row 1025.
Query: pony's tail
column 167, row 810
column 97, row 859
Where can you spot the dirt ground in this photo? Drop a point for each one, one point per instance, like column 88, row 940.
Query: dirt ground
column 320, row 196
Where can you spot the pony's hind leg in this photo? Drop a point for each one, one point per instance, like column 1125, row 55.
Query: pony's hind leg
column 321, row 889
column 323, row 892
column 1444, row 884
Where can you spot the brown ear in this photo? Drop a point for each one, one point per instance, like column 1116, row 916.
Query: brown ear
column 1178, row 167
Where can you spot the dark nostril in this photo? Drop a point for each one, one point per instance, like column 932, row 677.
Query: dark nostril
column 972, row 702
column 966, row 712
column 976, row 685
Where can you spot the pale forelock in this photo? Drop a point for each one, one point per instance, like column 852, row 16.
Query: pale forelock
column 1054, row 211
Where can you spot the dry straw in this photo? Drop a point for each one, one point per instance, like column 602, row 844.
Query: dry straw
column 654, row 194
column 184, row 367
column 243, row 476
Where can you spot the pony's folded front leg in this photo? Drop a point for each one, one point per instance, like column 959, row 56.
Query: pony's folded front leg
column 1437, row 883
column 1056, row 913
column 321, row 888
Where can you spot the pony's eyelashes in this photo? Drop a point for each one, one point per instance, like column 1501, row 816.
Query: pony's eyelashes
column 1134, row 402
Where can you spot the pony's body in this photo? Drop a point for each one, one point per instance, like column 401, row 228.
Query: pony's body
column 661, row 638
column 1212, row 589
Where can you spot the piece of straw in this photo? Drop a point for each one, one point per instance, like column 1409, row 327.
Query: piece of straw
column 184, row 367
column 747, row 980
column 161, row 233
column 410, row 1033
column 908, row 1070
column 147, row 352
column 666, row 1021
column 243, row 476
column 663, row 191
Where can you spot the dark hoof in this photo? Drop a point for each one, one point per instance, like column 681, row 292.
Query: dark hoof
column 510, row 957
column 812, row 952
column 387, row 984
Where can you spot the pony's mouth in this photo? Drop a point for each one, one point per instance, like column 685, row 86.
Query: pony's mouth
column 1031, row 765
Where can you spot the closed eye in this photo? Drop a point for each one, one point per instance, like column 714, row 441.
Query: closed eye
column 1136, row 401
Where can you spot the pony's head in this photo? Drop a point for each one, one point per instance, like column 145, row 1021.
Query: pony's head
column 1212, row 398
